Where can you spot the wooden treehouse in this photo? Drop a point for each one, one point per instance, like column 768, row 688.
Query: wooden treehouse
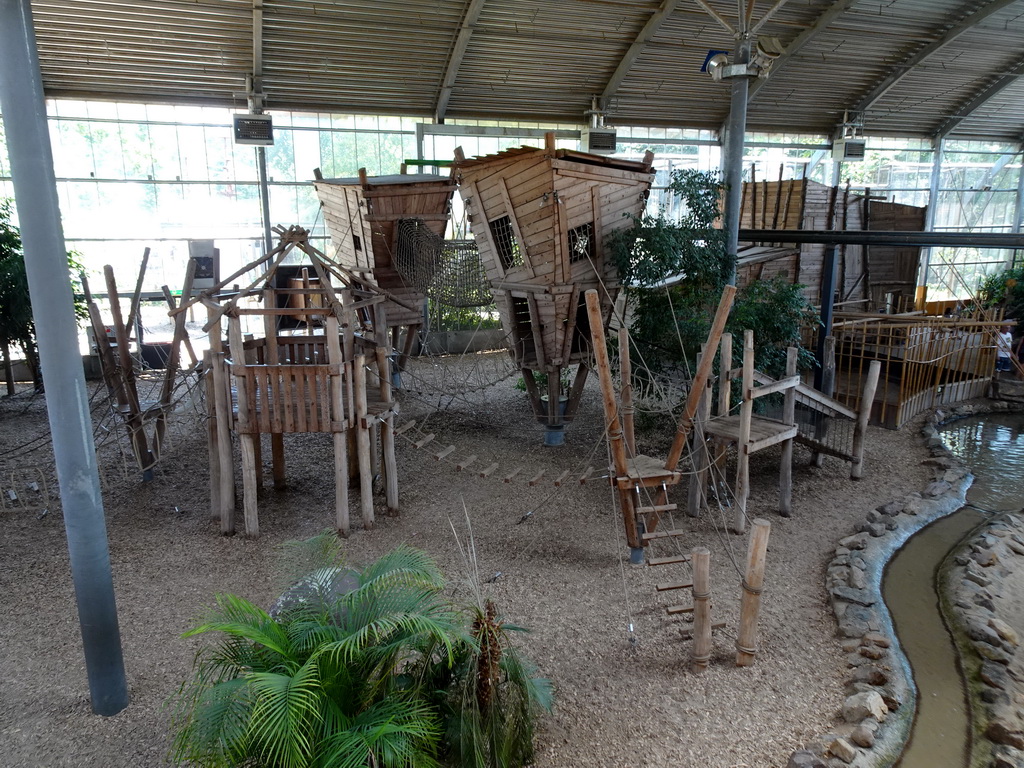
column 874, row 277
column 386, row 229
column 540, row 217
column 330, row 376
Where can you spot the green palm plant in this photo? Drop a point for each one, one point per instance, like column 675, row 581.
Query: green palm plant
column 492, row 696
column 324, row 683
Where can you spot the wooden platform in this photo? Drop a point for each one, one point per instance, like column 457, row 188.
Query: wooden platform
column 764, row 432
column 647, row 471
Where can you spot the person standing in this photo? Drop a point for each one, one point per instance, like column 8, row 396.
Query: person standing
column 1004, row 350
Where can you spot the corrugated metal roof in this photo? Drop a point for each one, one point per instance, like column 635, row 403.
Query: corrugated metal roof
column 544, row 60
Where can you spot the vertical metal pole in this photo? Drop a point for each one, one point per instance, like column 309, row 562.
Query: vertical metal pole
column 933, row 205
column 1018, row 213
column 733, row 161
column 261, row 171
column 24, row 113
column 828, row 297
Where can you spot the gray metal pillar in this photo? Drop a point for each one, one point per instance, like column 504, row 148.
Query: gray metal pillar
column 932, row 210
column 28, row 145
column 1018, row 212
column 828, row 298
column 261, row 171
column 733, row 160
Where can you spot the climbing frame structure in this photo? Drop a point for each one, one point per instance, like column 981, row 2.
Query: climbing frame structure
column 331, row 378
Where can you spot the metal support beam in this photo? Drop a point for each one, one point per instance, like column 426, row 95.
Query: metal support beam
column 649, row 30
column 1018, row 210
column 933, row 206
column 970, row 107
column 733, row 159
column 451, row 72
column 828, row 300
column 904, row 68
column 24, row 115
column 882, row 237
column 820, row 24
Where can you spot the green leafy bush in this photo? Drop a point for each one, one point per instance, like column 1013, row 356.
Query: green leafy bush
column 674, row 272
column 16, row 324
column 1004, row 289
column 375, row 674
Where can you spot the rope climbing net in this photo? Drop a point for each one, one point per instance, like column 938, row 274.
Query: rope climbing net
column 447, row 271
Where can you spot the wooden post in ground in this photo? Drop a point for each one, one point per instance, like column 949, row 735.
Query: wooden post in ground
column 272, row 357
column 339, row 414
column 699, row 378
column 133, row 418
column 753, row 585
column 739, row 524
column 213, row 450
column 626, row 391
column 700, row 559
column 8, row 368
column 866, row 400
column 245, row 435
column 786, row 462
column 724, row 392
column 363, row 443
column 222, row 408
column 387, row 435
column 611, row 414
column 701, row 456
column 828, row 387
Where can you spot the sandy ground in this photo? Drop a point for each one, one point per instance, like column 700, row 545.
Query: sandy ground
column 622, row 698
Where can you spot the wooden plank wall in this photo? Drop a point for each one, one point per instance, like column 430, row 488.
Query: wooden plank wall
column 893, row 269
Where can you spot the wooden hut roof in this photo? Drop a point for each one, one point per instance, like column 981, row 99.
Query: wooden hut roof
column 517, row 153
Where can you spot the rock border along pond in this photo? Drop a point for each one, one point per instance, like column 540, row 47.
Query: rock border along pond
column 878, row 711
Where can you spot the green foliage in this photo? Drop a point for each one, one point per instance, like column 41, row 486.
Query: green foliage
column 16, row 324
column 674, row 273
column 446, row 318
column 656, row 247
column 372, row 676
column 1004, row 289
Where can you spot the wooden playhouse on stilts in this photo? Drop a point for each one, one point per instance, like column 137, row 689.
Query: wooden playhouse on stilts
column 329, row 376
column 540, row 217
column 389, row 229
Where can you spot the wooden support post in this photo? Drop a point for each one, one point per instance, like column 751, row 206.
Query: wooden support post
column 753, row 585
column 222, row 406
column 133, row 418
column 611, row 414
column 335, row 358
column 786, row 461
column 626, row 391
column 866, row 400
column 245, row 436
column 724, row 392
column 828, row 387
column 698, row 487
column 387, row 434
column 700, row 655
column 554, row 414
column 272, row 357
column 5, row 350
column 739, row 524
column 363, row 443
column 697, row 386
column 213, row 451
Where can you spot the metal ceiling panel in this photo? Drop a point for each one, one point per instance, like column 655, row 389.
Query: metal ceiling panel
column 543, row 60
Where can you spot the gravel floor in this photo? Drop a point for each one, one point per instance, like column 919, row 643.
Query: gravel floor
column 622, row 698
